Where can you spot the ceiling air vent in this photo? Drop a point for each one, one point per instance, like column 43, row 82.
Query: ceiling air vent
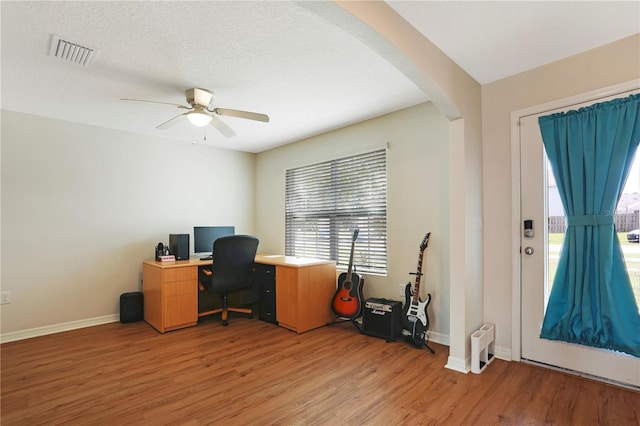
column 72, row 52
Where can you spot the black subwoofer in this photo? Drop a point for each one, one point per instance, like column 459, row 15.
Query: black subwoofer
column 131, row 307
column 382, row 318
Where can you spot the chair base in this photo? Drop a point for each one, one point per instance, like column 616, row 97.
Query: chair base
column 225, row 313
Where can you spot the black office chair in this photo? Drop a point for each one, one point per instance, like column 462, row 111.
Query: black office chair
column 232, row 271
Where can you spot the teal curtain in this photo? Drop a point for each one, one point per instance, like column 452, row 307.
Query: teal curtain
column 590, row 151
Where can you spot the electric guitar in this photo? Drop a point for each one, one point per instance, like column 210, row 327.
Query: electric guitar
column 415, row 317
column 347, row 301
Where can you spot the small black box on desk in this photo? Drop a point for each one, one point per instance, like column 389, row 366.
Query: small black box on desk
column 382, row 318
column 179, row 246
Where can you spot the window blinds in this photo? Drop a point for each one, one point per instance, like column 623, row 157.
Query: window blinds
column 326, row 202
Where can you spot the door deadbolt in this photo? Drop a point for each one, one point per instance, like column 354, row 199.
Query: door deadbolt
column 528, row 228
column 529, row 250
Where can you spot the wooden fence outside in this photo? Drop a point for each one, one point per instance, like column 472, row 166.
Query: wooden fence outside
column 625, row 222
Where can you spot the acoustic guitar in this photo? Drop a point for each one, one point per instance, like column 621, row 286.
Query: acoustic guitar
column 347, row 301
column 415, row 317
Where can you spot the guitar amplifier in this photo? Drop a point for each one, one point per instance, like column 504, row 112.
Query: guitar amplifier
column 382, row 318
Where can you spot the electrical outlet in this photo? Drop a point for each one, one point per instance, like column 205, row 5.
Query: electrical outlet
column 5, row 297
column 401, row 288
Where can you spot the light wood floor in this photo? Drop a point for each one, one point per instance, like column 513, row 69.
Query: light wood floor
column 254, row 373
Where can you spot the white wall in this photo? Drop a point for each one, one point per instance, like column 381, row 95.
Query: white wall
column 83, row 206
column 417, row 197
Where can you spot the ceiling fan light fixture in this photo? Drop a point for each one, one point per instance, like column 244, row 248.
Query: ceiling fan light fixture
column 199, row 118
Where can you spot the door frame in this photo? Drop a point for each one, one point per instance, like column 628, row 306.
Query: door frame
column 516, row 220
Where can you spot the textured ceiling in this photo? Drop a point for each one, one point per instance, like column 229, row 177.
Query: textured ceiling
column 305, row 65
column 309, row 65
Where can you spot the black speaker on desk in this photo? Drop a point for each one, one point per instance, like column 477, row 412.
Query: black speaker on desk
column 179, row 246
column 131, row 307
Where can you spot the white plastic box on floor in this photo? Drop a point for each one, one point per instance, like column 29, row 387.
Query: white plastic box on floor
column 482, row 348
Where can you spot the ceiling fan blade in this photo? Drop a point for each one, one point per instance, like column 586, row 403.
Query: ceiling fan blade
column 242, row 114
column 156, row 102
column 172, row 122
column 222, row 127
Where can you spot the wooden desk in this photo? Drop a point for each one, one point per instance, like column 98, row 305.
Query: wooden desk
column 304, row 290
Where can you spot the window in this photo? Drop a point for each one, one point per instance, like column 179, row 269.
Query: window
column 326, row 202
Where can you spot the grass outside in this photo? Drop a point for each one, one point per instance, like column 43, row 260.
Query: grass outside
column 632, row 260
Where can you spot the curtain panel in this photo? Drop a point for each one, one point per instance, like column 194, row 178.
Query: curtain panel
column 590, row 151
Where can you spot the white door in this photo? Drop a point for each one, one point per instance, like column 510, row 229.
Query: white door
column 536, row 257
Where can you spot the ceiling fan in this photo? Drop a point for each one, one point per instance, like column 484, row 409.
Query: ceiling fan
column 201, row 112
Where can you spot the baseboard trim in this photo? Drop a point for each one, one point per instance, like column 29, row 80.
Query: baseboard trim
column 459, row 365
column 442, row 339
column 503, row 353
column 57, row 328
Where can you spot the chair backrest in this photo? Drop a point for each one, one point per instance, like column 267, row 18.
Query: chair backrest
column 233, row 263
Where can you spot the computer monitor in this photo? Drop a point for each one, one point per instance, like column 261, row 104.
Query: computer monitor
column 204, row 236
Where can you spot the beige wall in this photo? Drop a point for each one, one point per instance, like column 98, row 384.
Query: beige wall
column 83, row 206
column 615, row 63
column 86, row 205
column 417, row 197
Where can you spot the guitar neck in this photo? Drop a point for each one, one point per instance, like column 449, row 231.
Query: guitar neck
column 349, row 271
column 416, row 286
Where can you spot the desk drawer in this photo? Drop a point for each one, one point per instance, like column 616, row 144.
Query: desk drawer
column 180, row 287
column 180, row 311
column 180, row 274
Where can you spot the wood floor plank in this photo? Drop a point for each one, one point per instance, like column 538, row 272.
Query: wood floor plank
column 255, row 373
